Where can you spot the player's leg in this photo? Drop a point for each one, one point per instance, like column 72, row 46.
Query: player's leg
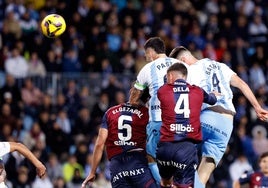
column 153, row 136
column 216, row 130
column 139, row 175
column 185, row 161
column 206, row 167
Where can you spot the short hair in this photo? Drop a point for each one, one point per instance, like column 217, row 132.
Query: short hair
column 177, row 51
column 178, row 67
column 263, row 155
column 157, row 44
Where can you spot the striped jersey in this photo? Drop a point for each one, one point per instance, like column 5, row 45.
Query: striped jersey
column 181, row 106
column 152, row 75
column 126, row 127
column 213, row 76
column 254, row 179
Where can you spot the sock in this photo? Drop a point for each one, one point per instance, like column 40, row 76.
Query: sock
column 197, row 182
column 155, row 172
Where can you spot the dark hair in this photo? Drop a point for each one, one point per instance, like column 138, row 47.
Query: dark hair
column 155, row 43
column 263, row 155
column 177, row 51
column 178, row 67
column 145, row 95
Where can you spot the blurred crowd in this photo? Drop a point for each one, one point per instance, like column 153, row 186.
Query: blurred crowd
column 106, row 37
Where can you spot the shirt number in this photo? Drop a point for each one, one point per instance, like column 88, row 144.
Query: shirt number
column 215, row 83
column 182, row 105
column 124, row 127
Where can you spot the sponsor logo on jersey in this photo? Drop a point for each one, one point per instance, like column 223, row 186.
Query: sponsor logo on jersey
column 181, row 128
column 124, row 143
column 129, row 173
column 181, row 166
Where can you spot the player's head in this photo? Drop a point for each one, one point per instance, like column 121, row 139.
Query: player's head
column 183, row 54
column 176, row 71
column 263, row 163
column 154, row 46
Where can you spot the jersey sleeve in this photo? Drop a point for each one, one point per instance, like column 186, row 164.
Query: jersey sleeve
column 209, row 98
column 4, row 148
column 228, row 73
column 104, row 121
column 142, row 82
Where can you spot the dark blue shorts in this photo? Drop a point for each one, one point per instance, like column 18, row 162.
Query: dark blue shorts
column 131, row 170
column 177, row 159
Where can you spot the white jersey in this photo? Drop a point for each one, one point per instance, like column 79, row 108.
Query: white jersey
column 213, row 76
column 153, row 75
column 4, row 148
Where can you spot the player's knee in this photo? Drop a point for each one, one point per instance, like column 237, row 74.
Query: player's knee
column 150, row 159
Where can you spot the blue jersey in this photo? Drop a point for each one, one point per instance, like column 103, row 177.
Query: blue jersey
column 181, row 106
column 152, row 75
column 254, row 179
column 213, row 76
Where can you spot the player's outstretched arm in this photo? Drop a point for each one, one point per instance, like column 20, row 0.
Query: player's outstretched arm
column 97, row 154
column 22, row 149
column 244, row 88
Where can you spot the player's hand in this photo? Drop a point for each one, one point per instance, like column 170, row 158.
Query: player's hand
column 216, row 93
column 90, row 178
column 262, row 114
column 41, row 170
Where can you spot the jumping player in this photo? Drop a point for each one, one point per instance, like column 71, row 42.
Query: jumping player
column 180, row 131
column 8, row 147
column 152, row 76
column 123, row 132
column 217, row 120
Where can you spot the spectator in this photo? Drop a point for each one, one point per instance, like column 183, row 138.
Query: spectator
column 11, row 87
column 99, row 108
column 12, row 27
column 64, row 122
column 16, row 65
column 22, row 179
column 71, row 62
column 6, row 117
column 260, row 141
column 256, row 76
column 239, row 166
column 257, row 31
column 59, row 183
column 52, row 62
column 72, row 98
column 44, row 182
column 84, row 124
column 35, row 136
column 54, row 167
column 36, row 66
column 69, row 168
column 58, row 141
column 32, row 97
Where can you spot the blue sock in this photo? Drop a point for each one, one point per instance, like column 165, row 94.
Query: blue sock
column 197, row 182
column 154, row 169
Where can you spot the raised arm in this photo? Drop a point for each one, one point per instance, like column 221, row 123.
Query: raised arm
column 244, row 88
column 97, row 154
column 22, row 149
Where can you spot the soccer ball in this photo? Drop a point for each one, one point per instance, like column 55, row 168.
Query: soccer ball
column 53, row 25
